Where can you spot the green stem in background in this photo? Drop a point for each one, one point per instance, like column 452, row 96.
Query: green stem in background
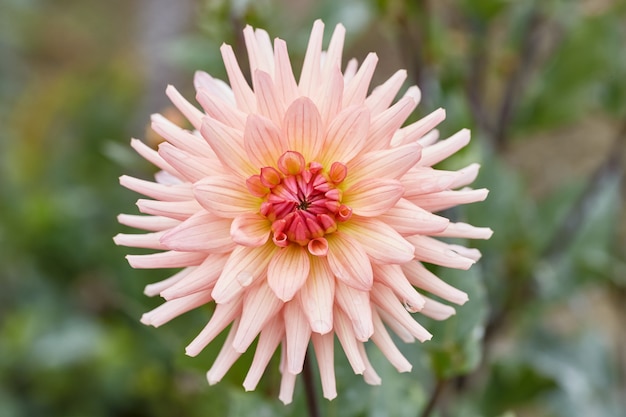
column 434, row 397
column 309, row 388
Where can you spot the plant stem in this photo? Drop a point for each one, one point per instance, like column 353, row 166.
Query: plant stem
column 434, row 397
column 309, row 388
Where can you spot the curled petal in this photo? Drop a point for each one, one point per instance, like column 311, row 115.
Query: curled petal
column 390, row 163
column 200, row 278
column 381, row 242
column 417, row 130
column 297, row 335
column 408, row 219
column 225, row 196
column 436, row 153
column 270, row 338
column 201, row 232
column 466, row 231
column 317, row 296
column 446, row 199
column 169, row 259
column 223, row 315
column 439, row 253
column 382, row 339
column 225, row 359
column 347, row 338
column 324, row 352
column 174, row 308
column 436, row 310
column 179, row 192
column 393, row 277
column 422, row 278
column 150, row 223
column 356, row 305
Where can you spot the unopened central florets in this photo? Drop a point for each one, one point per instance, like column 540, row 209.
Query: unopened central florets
column 302, row 200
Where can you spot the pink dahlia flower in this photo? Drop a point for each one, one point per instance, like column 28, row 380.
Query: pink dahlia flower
column 303, row 211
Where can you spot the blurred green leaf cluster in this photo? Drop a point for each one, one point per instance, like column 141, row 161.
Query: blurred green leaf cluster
column 541, row 83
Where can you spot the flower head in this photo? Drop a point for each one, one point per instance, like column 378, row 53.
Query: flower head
column 302, row 210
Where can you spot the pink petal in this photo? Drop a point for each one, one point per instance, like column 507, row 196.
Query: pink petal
column 422, row 278
column 357, row 86
column 225, row 359
column 329, row 97
column 213, row 86
column 262, row 141
column 153, row 157
column 187, row 109
column 302, row 128
column 436, row 153
column 288, row 270
column 297, row 335
column 310, row 77
column 180, row 138
column 465, row 176
column 464, row 230
column 202, row 277
column 335, row 50
column 369, row 375
column 270, row 338
column 408, row 219
column 349, row 261
column 227, row 143
column 157, row 191
column 269, row 102
column 382, row 339
column 169, row 259
column 436, row 310
column 260, row 305
column 385, row 124
column 344, row 138
column 223, row 315
column 384, row 298
column 146, row 240
column 287, row 385
column 425, row 180
column 221, row 110
column 250, row 229
column 373, row 197
column 383, row 95
column 389, row 163
column 283, row 78
column 151, row 223
column 347, row 338
column 174, row 308
column 245, row 266
column 397, row 327
column 202, row 232
column 381, row 242
column 244, row 96
column 317, row 296
column 178, row 210
column 417, row 130
column 439, row 253
column 446, row 199
column 257, row 44
column 324, row 352
column 393, row 277
column 192, row 168
column 356, row 305
column 225, row 196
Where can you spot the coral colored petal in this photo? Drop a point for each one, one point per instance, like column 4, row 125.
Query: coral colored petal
column 317, row 296
column 187, row 109
column 200, row 278
column 373, row 197
column 381, row 242
column 172, row 309
column 259, row 306
column 425, row 180
column 408, row 219
column 382, row 339
column 302, row 128
column 297, row 336
column 324, row 352
column 417, row 130
column 178, row 210
column 153, row 157
column 357, row 86
column 385, row 124
column 464, row 230
column 397, row 327
column 349, row 261
column 383, row 95
column 262, row 141
column 344, row 138
column 192, row 168
column 223, row 315
column 220, row 110
column 369, row 375
column 250, row 229
column 436, row 310
column 389, row 163
column 244, row 97
column 422, row 278
column 155, row 288
column 287, row 386
column 288, row 270
column 213, row 86
column 269, row 339
column 180, row 138
column 225, row 196
column 356, row 305
column 245, row 266
column 203, row 232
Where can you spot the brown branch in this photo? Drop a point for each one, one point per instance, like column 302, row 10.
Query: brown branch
column 434, row 397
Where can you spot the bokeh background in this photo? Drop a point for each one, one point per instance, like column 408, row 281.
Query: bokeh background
column 540, row 83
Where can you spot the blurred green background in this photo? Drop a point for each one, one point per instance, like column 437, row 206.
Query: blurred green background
column 541, row 84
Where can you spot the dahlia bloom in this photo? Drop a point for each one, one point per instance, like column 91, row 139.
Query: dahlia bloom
column 302, row 210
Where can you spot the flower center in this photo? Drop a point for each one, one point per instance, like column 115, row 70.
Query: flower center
column 301, row 200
